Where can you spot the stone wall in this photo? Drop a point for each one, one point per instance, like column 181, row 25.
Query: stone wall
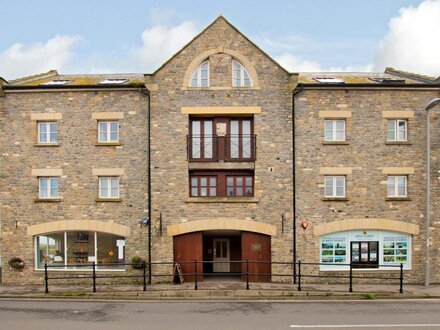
column 366, row 153
column 76, row 156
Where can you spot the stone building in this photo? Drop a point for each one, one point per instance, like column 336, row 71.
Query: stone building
column 219, row 155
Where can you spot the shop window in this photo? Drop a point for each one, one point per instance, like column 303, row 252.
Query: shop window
column 395, row 250
column 77, row 250
column 364, row 254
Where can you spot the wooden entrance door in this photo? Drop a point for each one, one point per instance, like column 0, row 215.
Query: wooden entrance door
column 187, row 248
column 221, row 256
column 256, row 247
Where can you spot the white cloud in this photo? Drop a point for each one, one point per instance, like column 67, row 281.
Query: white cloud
column 294, row 63
column 20, row 60
column 412, row 42
column 160, row 42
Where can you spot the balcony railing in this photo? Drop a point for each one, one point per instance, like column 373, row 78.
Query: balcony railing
column 230, row 148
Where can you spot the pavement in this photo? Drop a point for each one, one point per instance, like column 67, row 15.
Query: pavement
column 218, row 290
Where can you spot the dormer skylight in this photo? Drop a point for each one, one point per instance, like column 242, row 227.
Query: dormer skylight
column 329, row 80
column 388, row 80
column 56, row 82
column 113, row 81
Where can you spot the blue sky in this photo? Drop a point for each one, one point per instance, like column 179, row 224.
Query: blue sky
column 98, row 36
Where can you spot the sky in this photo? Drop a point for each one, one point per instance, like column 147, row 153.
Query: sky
column 108, row 36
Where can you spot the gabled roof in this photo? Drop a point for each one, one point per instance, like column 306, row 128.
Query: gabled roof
column 222, row 18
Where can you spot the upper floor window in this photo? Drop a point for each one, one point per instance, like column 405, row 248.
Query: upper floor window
column 48, row 187
column 222, row 184
column 240, row 76
column 203, row 185
column 239, row 185
column 108, row 187
column 334, row 186
column 47, row 132
column 108, row 131
column 334, row 130
column 397, row 186
column 397, row 130
column 200, row 77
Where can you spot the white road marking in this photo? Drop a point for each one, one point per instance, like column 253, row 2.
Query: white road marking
column 365, row 325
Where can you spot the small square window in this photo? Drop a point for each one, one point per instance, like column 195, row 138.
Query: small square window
column 334, row 186
column 47, row 132
column 48, row 187
column 397, row 186
column 334, row 130
column 108, row 131
column 397, row 130
column 109, row 187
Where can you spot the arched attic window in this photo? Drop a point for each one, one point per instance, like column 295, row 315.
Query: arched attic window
column 240, row 76
column 200, row 76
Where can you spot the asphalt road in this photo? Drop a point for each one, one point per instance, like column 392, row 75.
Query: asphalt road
column 85, row 315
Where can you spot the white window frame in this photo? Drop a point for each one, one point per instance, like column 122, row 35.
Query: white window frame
column 243, row 74
column 396, row 137
column 110, row 179
column 108, row 124
column 48, row 187
column 395, row 184
column 334, row 130
column 47, row 124
column 333, row 185
column 197, row 75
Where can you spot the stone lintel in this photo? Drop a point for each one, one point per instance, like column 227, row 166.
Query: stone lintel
column 398, row 170
column 108, row 171
column 46, row 116
column 335, row 114
column 107, row 115
column 398, row 114
column 335, row 170
column 46, row 172
column 79, row 225
column 220, row 110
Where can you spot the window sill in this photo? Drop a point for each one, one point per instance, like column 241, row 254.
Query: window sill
column 46, row 144
column 401, row 143
column 335, row 199
column 335, row 142
column 115, row 200
column 108, row 144
column 192, row 165
column 47, row 200
column 222, row 200
column 392, row 199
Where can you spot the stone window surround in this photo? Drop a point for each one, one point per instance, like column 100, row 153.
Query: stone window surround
column 45, row 117
column 336, row 171
column 234, row 54
column 398, row 171
column 335, row 115
column 108, row 172
column 47, row 173
column 107, row 116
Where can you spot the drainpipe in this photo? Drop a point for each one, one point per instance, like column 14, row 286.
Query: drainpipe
column 295, row 92
column 147, row 93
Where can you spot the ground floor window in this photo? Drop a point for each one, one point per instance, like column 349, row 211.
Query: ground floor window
column 365, row 249
column 71, row 249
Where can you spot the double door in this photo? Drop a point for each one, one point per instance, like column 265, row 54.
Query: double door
column 365, row 254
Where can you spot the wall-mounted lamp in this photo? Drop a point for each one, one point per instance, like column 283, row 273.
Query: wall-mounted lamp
column 304, row 224
column 144, row 222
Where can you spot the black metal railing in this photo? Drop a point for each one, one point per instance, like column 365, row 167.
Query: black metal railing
column 190, row 272
column 230, row 148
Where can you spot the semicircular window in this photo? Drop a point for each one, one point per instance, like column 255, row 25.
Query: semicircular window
column 240, row 76
column 200, row 77
column 77, row 250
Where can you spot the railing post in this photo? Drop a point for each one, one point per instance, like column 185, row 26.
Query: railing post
column 46, row 278
column 247, row 274
column 94, row 276
column 299, row 275
column 294, row 272
column 195, row 275
column 144, row 266
column 149, row 272
column 350, row 289
column 401, row 278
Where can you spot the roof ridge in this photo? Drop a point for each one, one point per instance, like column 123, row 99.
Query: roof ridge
column 50, row 73
column 411, row 75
